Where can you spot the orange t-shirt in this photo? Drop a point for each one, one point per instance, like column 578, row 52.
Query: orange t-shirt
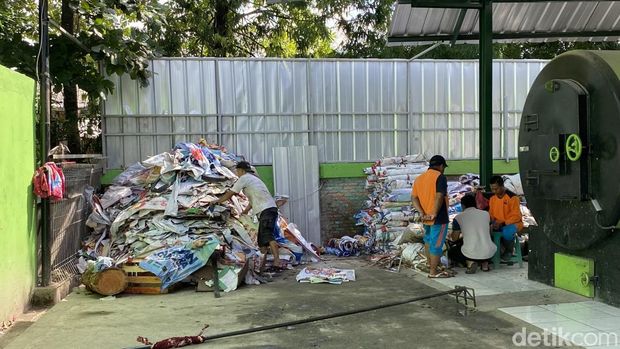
column 506, row 210
column 425, row 189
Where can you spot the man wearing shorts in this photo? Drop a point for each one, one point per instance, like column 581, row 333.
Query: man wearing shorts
column 263, row 204
column 505, row 211
column 430, row 198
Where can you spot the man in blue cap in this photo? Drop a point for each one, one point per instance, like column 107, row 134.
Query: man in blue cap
column 429, row 196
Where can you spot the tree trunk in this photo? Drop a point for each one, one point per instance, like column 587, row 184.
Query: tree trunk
column 222, row 8
column 70, row 97
column 108, row 282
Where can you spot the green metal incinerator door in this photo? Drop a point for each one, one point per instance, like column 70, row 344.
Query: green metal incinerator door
column 575, row 274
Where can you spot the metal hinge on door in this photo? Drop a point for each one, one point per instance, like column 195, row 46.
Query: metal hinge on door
column 531, row 122
column 533, row 176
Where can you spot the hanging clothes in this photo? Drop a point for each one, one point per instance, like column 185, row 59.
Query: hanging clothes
column 49, row 182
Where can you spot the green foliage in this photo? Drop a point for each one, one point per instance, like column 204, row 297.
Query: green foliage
column 117, row 34
column 363, row 25
column 236, row 28
column 18, row 41
column 547, row 50
column 122, row 35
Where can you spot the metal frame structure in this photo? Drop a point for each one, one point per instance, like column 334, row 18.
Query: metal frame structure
column 485, row 39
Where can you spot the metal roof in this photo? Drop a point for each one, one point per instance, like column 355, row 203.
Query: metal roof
column 418, row 22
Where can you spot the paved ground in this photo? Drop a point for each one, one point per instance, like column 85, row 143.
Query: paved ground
column 86, row 321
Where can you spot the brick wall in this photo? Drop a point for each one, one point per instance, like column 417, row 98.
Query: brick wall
column 340, row 199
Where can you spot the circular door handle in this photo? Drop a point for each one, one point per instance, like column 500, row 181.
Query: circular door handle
column 554, row 154
column 585, row 279
column 573, row 147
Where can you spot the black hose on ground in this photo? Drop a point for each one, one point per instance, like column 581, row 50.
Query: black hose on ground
column 456, row 290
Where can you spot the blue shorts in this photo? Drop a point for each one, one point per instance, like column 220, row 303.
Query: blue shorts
column 435, row 237
column 509, row 231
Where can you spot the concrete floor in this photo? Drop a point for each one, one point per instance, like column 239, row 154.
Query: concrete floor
column 87, row 321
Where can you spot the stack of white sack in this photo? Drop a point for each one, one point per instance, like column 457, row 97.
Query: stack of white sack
column 387, row 215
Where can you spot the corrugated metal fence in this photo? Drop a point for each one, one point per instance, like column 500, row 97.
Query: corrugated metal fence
column 353, row 110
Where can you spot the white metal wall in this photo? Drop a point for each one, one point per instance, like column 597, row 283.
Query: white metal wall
column 353, row 110
column 296, row 174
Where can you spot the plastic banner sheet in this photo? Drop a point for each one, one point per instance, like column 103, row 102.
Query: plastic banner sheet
column 174, row 264
column 326, row 275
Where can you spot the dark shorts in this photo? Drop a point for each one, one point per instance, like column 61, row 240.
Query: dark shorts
column 266, row 224
column 456, row 256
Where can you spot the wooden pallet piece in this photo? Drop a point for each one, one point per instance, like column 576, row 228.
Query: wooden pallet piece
column 141, row 281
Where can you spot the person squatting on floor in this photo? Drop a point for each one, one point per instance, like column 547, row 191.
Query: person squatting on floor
column 429, row 196
column 475, row 247
column 505, row 211
column 262, row 203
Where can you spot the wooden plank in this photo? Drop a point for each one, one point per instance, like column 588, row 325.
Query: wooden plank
column 145, row 290
column 144, row 279
column 134, row 269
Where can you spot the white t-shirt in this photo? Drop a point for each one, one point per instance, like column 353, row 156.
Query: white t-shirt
column 256, row 191
column 475, row 226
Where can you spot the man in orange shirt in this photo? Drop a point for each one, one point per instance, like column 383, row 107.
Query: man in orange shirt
column 505, row 212
column 429, row 196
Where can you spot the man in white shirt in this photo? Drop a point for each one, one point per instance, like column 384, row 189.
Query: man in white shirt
column 475, row 226
column 263, row 204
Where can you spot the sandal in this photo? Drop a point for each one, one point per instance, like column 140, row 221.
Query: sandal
column 450, row 271
column 423, row 268
column 472, row 268
column 485, row 268
column 442, row 275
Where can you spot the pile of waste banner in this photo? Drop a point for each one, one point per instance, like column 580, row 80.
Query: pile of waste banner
column 163, row 212
column 390, row 222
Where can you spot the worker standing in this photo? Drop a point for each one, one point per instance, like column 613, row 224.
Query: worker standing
column 263, row 204
column 430, row 198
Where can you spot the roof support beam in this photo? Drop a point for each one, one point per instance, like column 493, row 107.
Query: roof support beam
column 457, row 26
column 505, row 36
column 429, row 49
column 485, row 105
column 526, row 1
column 475, row 4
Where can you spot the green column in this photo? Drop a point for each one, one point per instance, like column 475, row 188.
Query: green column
column 486, row 92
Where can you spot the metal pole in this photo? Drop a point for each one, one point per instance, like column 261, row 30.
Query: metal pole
column 486, row 92
column 429, row 49
column 218, row 108
column 44, row 124
column 505, row 130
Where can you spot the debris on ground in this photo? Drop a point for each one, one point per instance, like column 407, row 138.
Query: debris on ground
column 163, row 213
column 325, row 275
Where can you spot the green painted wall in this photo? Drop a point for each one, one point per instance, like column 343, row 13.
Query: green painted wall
column 456, row 167
column 17, row 214
column 266, row 175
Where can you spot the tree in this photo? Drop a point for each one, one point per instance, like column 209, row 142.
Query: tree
column 363, row 25
column 548, row 50
column 122, row 35
column 18, row 39
column 118, row 34
column 243, row 28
